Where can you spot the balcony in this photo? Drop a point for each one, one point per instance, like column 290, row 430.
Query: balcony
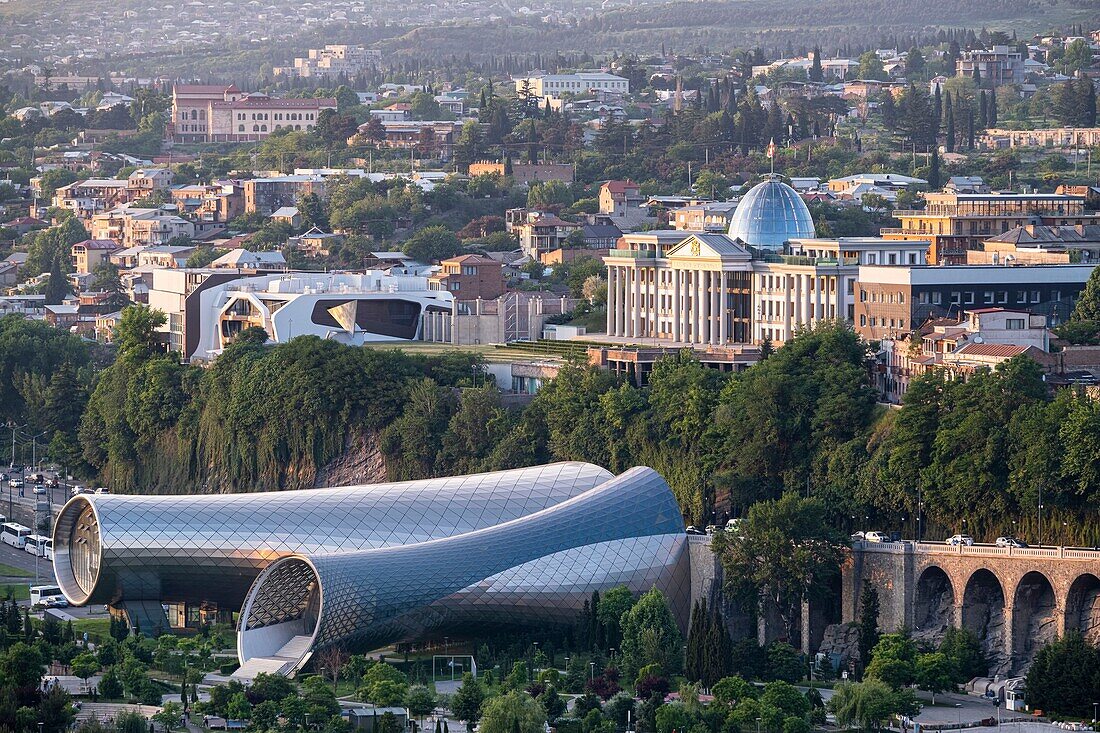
column 633, row 254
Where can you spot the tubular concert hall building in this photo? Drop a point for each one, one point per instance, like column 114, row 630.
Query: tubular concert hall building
column 364, row 566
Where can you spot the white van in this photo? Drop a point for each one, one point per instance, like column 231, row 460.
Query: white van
column 42, row 594
column 35, row 544
column 14, row 534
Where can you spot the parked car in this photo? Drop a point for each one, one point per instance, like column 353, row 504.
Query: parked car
column 38, row 478
column 691, row 529
column 57, row 602
column 15, row 483
column 77, row 491
column 876, row 537
column 16, row 468
column 52, row 482
column 102, row 490
column 1010, row 542
column 39, row 489
column 960, row 539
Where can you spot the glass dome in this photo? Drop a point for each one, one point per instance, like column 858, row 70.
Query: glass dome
column 770, row 214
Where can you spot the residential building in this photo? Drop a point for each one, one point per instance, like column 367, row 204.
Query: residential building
column 623, row 204
column 91, row 253
column 555, row 85
column 889, row 181
column 1056, row 137
column 203, row 113
column 526, row 174
column 978, row 339
column 998, row 66
column 703, row 216
column 315, row 243
column 955, row 222
column 243, row 259
column 288, row 215
column 469, row 277
column 131, row 226
column 601, row 236
column 331, row 61
column 894, row 300
column 541, row 232
column 268, row 195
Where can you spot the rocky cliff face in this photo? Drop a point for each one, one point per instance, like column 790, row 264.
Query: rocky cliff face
column 361, row 462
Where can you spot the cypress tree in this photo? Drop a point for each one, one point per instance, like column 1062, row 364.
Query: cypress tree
column 868, row 623
column 983, row 109
column 934, row 182
column 993, row 109
column 713, row 653
column 950, row 124
column 695, row 629
column 970, row 128
column 816, row 72
column 937, row 110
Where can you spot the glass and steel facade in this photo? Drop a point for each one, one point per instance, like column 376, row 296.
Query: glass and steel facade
column 538, row 569
column 770, row 214
column 208, row 548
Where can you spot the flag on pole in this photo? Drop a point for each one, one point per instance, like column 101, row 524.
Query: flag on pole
column 771, row 148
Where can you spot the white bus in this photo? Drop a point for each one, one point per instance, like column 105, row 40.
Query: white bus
column 36, row 544
column 14, row 534
column 42, row 593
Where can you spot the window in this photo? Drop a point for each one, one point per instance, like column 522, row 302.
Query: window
column 240, row 128
column 956, row 297
column 969, row 297
column 893, row 259
column 912, row 258
column 263, row 128
column 862, row 320
column 1055, row 295
column 1021, row 296
column 872, row 258
column 454, row 285
column 255, row 128
column 1015, row 324
column 987, row 296
column 1004, row 297
column 937, row 298
column 469, row 270
column 1034, row 296
column 922, row 298
column 901, row 297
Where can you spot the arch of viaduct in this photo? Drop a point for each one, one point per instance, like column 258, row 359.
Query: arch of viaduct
column 1014, row 600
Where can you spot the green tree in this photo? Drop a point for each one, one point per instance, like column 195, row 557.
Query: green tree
column 868, row 622
column 1088, row 303
column 870, row 67
column 650, row 635
column 420, row 701
column 782, row 554
column 893, row 660
column 934, row 673
column 57, row 286
column 613, row 604
column 1063, row 678
column 85, row 665
column 549, row 195
column 869, row 704
column 432, row 244
column 513, row 712
column 964, row 651
column 169, row 716
column 468, row 699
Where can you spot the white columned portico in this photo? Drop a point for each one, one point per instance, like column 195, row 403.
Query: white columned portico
column 636, row 320
column 715, row 311
column 612, row 300
column 677, row 311
column 786, row 306
column 799, row 301
column 821, row 300
column 723, row 309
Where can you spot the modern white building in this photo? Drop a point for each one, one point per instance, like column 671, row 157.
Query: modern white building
column 353, row 308
column 555, row 85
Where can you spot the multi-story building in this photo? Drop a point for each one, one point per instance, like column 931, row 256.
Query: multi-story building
column 895, row 300
column 91, row 253
column 540, row 232
column 999, row 65
column 1040, row 245
column 203, row 113
column 93, row 195
column 555, row 85
column 267, row 195
column 979, row 339
column 703, row 216
column 469, row 277
column 955, row 222
column 330, row 61
column 216, row 203
column 1053, row 137
column 130, row 226
column 526, row 173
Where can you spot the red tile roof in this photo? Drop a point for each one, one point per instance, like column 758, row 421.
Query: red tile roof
column 620, row 186
column 100, row 244
column 269, row 103
column 204, row 88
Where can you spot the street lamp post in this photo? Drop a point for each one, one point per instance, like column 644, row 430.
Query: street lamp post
column 591, row 670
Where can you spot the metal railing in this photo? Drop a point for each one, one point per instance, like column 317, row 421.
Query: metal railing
column 939, row 548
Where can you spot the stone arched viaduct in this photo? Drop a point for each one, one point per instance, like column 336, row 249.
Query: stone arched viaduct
column 1015, row 600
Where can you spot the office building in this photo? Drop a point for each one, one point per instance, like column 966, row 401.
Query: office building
column 217, row 113
column 556, row 85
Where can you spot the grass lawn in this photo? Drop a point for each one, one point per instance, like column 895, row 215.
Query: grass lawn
column 94, row 626
column 10, row 571
column 19, row 591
